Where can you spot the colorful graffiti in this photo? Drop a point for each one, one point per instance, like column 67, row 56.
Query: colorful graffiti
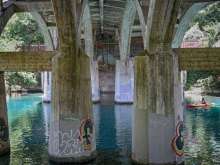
column 86, row 134
column 178, row 140
column 77, row 140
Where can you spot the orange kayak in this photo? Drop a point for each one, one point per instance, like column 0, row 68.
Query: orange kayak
column 196, row 106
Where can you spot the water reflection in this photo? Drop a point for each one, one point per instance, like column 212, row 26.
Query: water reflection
column 113, row 129
column 105, row 127
column 203, row 136
column 29, row 120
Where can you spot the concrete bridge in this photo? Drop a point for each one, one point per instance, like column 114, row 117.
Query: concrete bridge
column 156, row 72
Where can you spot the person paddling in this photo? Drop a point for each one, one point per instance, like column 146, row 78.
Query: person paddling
column 203, row 101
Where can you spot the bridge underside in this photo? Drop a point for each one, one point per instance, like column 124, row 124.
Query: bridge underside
column 156, row 72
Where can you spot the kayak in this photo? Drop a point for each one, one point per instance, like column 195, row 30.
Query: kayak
column 198, row 106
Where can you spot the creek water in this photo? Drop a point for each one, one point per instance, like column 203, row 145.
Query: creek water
column 29, row 123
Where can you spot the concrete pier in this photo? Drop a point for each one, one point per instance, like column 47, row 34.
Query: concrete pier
column 124, row 81
column 4, row 132
column 95, row 81
column 72, row 133
column 157, row 109
column 46, row 84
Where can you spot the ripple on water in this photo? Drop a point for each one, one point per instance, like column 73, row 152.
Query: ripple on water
column 28, row 121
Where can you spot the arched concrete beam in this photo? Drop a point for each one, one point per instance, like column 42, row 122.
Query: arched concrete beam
column 88, row 34
column 48, row 41
column 44, row 31
column 142, row 21
column 81, row 22
column 86, row 24
column 162, row 17
column 126, row 29
column 5, row 16
column 184, row 24
column 8, row 12
column 133, row 7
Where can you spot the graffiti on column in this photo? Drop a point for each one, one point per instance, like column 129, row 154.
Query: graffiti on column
column 3, row 132
column 178, row 140
column 69, row 143
column 86, row 134
column 76, row 142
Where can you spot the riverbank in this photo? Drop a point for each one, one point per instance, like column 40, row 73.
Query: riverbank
column 195, row 94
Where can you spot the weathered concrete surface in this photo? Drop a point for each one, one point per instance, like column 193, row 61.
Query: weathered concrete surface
column 31, row 6
column 95, row 81
column 86, row 22
column 4, row 132
column 26, row 61
column 161, row 23
column 5, row 16
column 72, row 134
column 124, row 81
column 126, row 29
column 72, row 112
column 199, row 58
column 157, row 103
column 47, row 80
column 140, row 114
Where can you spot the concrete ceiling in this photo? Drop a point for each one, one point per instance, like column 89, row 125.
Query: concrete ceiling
column 106, row 15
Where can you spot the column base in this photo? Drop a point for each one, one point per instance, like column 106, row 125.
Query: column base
column 4, row 148
column 80, row 160
column 46, row 99
column 123, row 102
column 96, row 101
column 134, row 162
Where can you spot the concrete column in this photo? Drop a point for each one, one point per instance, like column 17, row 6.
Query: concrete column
column 72, row 134
column 124, row 82
column 47, row 87
column 4, row 132
column 52, row 44
column 95, row 81
column 89, row 49
column 158, row 109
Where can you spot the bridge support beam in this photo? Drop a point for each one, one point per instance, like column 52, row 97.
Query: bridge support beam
column 72, row 134
column 95, row 81
column 158, row 108
column 89, row 50
column 46, row 86
column 124, row 81
column 4, row 132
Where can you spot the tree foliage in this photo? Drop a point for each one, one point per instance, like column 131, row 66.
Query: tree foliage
column 22, row 79
column 21, row 30
column 208, row 21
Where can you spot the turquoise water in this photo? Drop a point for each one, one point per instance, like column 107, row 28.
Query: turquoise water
column 202, row 142
column 28, row 121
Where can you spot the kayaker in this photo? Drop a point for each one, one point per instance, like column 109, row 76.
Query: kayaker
column 203, row 101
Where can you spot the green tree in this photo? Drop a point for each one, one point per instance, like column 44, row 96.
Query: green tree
column 208, row 21
column 21, row 30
